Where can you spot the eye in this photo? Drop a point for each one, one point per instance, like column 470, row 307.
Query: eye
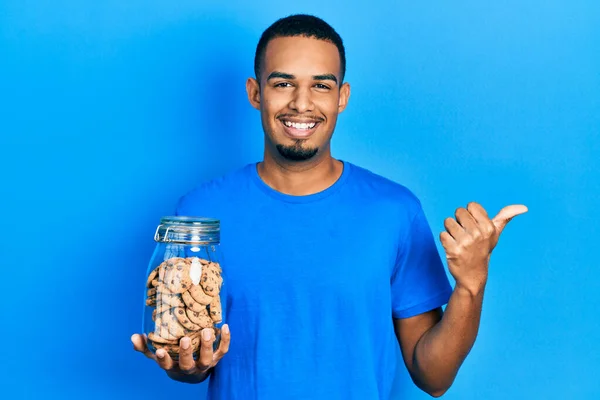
column 283, row 84
column 322, row 86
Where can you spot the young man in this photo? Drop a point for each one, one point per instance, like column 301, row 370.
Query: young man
column 329, row 267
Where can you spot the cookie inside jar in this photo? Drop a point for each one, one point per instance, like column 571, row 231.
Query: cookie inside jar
column 183, row 293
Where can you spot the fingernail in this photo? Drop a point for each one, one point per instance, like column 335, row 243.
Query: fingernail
column 206, row 334
column 160, row 353
column 185, row 343
column 226, row 329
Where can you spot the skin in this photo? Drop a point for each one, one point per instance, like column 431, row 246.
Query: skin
column 301, row 81
column 288, row 89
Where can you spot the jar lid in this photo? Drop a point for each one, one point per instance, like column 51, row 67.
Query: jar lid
column 188, row 230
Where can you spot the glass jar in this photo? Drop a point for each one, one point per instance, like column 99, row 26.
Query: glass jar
column 183, row 284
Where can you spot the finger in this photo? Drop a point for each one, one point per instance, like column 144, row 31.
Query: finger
column 481, row 217
column 454, row 229
column 187, row 364
column 164, row 360
column 467, row 221
column 206, row 350
column 140, row 344
column 507, row 214
column 476, row 208
column 224, row 345
column 478, row 212
column 447, row 241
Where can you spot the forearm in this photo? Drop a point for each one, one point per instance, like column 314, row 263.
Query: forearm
column 440, row 352
column 188, row 378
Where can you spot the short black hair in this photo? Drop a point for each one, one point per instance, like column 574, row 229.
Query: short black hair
column 299, row 25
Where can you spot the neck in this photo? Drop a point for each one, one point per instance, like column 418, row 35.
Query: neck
column 300, row 178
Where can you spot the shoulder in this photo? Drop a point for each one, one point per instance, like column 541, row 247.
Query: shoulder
column 383, row 191
column 393, row 203
column 215, row 191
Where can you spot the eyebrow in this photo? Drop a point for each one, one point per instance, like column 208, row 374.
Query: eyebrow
column 283, row 75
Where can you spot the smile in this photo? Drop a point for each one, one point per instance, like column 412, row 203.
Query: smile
column 297, row 125
column 299, row 130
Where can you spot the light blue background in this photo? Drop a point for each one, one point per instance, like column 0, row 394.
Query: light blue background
column 111, row 110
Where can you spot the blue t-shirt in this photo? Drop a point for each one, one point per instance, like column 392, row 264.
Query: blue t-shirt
column 312, row 283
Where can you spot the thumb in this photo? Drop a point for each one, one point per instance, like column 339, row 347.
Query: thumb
column 138, row 342
column 506, row 214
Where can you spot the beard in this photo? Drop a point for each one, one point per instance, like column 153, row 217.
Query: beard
column 296, row 152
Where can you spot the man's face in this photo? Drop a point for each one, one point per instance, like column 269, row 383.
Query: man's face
column 299, row 96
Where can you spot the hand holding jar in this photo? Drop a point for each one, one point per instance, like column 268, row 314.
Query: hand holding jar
column 187, row 368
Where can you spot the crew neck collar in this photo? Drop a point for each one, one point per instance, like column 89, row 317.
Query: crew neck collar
column 288, row 198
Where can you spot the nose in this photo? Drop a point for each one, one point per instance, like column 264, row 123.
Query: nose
column 302, row 101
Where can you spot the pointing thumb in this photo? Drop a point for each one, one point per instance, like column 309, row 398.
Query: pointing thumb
column 506, row 214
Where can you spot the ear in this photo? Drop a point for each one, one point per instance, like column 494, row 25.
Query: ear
column 253, row 91
column 344, row 96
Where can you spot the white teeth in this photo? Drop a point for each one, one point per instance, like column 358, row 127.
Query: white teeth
column 300, row 126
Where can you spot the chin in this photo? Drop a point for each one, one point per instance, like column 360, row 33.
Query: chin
column 296, row 152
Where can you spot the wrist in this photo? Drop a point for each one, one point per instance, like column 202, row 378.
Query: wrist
column 472, row 290
column 188, row 378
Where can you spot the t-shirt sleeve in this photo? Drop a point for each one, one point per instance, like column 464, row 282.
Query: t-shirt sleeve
column 419, row 281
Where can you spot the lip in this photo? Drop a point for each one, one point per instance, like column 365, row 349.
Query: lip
column 299, row 133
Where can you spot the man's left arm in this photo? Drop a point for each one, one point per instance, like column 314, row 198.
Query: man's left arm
column 435, row 344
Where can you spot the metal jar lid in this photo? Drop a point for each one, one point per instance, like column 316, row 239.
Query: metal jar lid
column 188, row 230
